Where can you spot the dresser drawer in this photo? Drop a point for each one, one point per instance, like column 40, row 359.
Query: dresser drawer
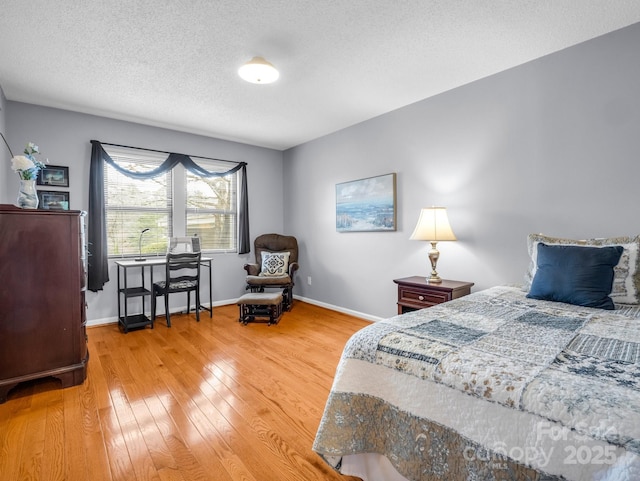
column 419, row 297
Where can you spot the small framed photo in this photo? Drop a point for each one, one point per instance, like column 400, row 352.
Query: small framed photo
column 54, row 176
column 53, row 200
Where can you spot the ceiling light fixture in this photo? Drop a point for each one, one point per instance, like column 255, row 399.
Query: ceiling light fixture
column 258, row 71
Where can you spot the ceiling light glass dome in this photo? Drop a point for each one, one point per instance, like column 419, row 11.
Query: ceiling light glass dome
column 258, row 71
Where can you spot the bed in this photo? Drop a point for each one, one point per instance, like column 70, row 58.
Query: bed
column 510, row 383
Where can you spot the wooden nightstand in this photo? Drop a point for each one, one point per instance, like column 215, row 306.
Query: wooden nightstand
column 416, row 293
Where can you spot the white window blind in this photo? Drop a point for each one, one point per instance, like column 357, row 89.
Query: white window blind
column 211, row 207
column 176, row 203
column 133, row 205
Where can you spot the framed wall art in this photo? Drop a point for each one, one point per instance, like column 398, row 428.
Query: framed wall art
column 366, row 204
column 53, row 200
column 54, row 176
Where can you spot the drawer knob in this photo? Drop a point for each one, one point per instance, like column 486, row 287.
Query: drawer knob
column 421, row 298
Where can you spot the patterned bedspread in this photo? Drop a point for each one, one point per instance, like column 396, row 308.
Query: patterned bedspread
column 491, row 386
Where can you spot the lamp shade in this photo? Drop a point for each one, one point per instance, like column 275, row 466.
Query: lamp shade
column 433, row 225
column 258, row 71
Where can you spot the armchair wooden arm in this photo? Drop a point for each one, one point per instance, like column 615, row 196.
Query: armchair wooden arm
column 252, row 269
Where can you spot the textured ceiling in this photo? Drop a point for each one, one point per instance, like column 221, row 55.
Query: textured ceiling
column 173, row 63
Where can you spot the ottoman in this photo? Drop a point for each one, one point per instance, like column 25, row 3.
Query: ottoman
column 264, row 305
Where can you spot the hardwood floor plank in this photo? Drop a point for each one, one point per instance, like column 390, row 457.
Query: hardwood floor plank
column 186, row 463
column 96, row 375
column 13, row 426
column 53, row 456
column 212, row 463
column 123, row 384
column 238, row 430
column 186, row 392
column 158, row 449
column 171, row 474
column 207, row 401
column 90, row 393
column 31, row 459
column 75, row 460
column 12, row 448
column 274, row 418
column 119, row 461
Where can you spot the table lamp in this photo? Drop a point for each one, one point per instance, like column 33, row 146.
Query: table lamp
column 433, row 226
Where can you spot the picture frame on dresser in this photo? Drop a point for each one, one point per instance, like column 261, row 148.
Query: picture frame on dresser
column 54, row 176
column 53, row 200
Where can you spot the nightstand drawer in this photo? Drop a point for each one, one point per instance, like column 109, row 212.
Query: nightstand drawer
column 421, row 298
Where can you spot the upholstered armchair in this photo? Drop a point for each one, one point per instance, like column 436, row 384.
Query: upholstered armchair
column 276, row 263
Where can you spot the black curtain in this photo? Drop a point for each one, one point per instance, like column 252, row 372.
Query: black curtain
column 97, row 260
column 98, row 266
column 243, row 217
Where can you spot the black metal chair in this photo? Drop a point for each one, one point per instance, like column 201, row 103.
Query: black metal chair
column 182, row 275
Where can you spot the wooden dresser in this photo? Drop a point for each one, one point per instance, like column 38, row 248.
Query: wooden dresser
column 42, row 297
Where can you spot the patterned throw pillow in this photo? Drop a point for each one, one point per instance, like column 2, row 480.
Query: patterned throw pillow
column 275, row 264
column 626, row 278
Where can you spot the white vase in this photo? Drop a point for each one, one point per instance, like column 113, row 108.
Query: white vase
column 28, row 196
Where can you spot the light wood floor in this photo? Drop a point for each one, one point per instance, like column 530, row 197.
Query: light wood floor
column 213, row 400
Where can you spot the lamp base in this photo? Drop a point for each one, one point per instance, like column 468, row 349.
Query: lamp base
column 434, row 254
column 140, row 260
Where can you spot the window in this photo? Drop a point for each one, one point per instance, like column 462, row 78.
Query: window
column 176, row 203
column 211, row 207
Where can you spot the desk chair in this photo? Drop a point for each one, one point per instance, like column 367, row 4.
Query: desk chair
column 182, row 275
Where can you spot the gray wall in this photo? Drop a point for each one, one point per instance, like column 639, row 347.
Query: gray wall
column 551, row 146
column 64, row 137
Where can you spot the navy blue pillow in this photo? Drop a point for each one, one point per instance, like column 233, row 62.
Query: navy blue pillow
column 577, row 275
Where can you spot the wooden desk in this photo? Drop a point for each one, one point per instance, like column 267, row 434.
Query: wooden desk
column 126, row 292
column 416, row 293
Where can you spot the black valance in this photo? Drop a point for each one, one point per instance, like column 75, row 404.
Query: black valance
column 98, row 266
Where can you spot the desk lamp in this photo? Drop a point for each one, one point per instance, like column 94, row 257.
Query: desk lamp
column 140, row 259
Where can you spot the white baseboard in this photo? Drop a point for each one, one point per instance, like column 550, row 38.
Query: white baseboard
column 114, row 320
column 361, row 315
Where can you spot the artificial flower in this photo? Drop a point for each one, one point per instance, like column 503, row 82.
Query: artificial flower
column 31, row 149
column 27, row 166
column 20, row 162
